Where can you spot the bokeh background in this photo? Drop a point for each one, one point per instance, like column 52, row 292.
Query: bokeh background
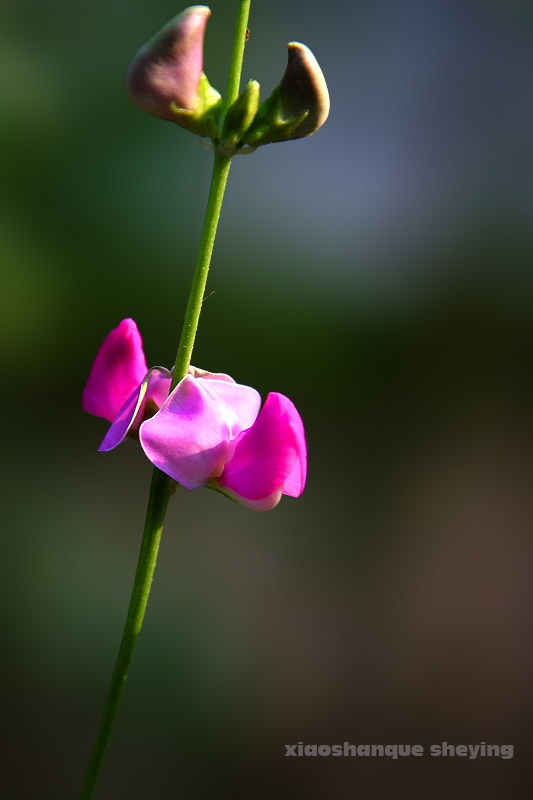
column 379, row 274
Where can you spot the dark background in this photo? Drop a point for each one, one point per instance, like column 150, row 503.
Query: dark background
column 379, row 275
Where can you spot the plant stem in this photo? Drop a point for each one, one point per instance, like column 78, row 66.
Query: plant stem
column 214, row 204
column 162, row 487
column 196, row 297
column 160, row 491
column 237, row 55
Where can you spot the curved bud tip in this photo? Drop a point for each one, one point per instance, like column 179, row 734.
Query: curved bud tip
column 303, row 88
column 168, row 68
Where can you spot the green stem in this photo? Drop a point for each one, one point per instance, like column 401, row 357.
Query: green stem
column 160, row 491
column 221, row 169
column 237, row 55
column 162, row 486
column 196, row 297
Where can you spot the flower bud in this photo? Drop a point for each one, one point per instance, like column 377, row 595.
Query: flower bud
column 240, row 116
column 299, row 104
column 165, row 77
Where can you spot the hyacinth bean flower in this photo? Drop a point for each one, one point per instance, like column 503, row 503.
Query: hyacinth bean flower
column 209, row 431
column 166, row 79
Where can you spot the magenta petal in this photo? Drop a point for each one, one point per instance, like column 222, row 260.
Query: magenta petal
column 122, row 422
column 270, row 458
column 154, row 387
column 295, row 482
column 118, row 369
column 214, row 376
column 191, row 437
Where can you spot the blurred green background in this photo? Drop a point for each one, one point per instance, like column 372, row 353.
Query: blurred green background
column 379, row 275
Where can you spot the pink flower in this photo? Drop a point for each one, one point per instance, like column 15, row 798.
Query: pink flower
column 208, row 431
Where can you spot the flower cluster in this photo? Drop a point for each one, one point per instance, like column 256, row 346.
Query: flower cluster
column 207, row 431
column 166, row 79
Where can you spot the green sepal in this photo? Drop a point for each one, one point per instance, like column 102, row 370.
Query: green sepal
column 212, row 484
column 204, row 118
column 240, row 116
column 270, row 124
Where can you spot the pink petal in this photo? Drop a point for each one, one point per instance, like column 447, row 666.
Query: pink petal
column 295, row 482
column 191, row 437
column 154, row 388
column 270, row 457
column 168, row 68
column 118, row 369
column 215, row 376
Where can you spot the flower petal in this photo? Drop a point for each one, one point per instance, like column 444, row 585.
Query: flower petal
column 303, row 88
column 191, row 437
column 215, row 376
column 167, row 69
column 154, row 388
column 270, row 457
column 295, row 482
column 118, row 369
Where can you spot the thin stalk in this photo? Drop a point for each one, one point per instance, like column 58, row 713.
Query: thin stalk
column 237, row 55
column 221, row 169
column 160, row 491
column 196, row 297
column 162, row 487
